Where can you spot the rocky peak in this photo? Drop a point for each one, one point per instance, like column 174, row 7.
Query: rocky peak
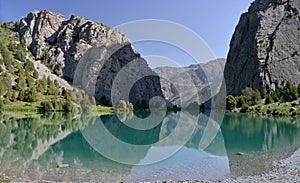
column 64, row 42
column 264, row 50
column 38, row 27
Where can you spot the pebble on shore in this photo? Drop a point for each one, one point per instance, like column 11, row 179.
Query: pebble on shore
column 286, row 170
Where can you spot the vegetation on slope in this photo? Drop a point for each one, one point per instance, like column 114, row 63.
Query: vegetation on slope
column 21, row 89
column 282, row 102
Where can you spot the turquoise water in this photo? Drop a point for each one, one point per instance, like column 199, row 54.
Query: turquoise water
column 149, row 147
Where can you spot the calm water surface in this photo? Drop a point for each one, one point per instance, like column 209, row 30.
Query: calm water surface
column 145, row 147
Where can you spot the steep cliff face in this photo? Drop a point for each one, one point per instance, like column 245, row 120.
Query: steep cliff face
column 63, row 42
column 265, row 48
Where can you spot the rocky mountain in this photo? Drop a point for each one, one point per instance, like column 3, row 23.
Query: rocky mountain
column 204, row 78
column 68, row 46
column 265, row 48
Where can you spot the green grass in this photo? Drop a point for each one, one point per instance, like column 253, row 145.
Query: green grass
column 35, row 108
column 21, row 107
column 104, row 110
column 4, row 181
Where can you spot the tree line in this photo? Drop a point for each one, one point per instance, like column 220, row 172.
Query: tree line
column 250, row 97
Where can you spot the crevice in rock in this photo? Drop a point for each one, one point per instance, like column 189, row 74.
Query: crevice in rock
column 267, row 75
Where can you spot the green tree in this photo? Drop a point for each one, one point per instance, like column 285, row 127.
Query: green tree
column 45, row 58
column 42, row 85
column 14, row 96
column 5, row 83
column 1, row 103
column 29, row 66
column 8, row 94
column 245, row 108
column 67, row 94
column 35, row 74
column 275, row 97
column 230, row 102
column 269, row 99
column 252, row 97
column 68, row 106
column 240, row 101
column 47, row 105
column 57, row 105
column 21, row 95
column 21, row 83
column 29, row 80
column 290, row 92
column 52, row 89
column 31, row 95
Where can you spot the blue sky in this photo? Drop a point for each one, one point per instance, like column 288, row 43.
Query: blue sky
column 213, row 21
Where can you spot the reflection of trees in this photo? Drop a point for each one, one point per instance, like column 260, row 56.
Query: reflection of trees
column 244, row 133
column 20, row 135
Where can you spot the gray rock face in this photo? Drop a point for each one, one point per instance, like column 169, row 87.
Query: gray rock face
column 178, row 83
column 265, row 48
column 65, row 42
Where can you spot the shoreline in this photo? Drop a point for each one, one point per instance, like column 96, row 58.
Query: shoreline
column 285, row 170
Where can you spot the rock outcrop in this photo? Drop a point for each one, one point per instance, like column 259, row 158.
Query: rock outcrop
column 61, row 43
column 265, row 48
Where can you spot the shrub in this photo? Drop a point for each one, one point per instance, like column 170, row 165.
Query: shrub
column 280, row 111
column 290, row 92
column 258, row 109
column 240, row 101
column 269, row 100
column 230, row 102
column 245, row 108
column 275, row 97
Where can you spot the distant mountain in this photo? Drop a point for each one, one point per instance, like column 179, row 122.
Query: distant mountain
column 204, row 78
column 265, row 48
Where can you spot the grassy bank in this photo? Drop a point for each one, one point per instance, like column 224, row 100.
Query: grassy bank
column 35, row 108
column 22, row 107
column 4, row 181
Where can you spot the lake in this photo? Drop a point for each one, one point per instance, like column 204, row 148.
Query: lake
column 161, row 145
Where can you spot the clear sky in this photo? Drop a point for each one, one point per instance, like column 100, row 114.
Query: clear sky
column 214, row 21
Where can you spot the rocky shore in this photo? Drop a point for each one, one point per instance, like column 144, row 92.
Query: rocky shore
column 286, row 170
